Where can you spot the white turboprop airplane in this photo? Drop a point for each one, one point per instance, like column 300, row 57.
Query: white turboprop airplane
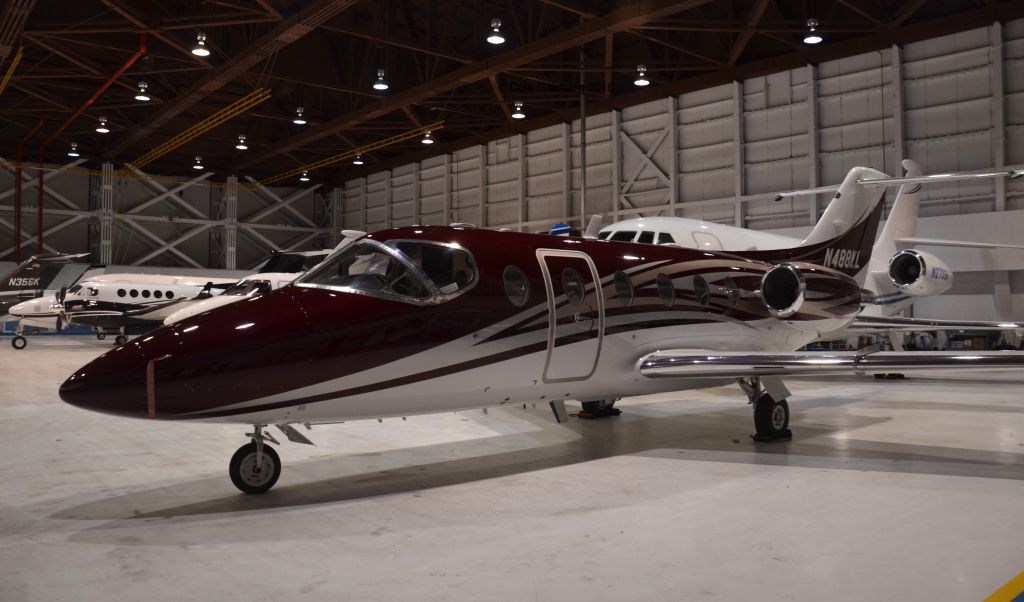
column 279, row 271
column 895, row 275
column 112, row 303
column 429, row 319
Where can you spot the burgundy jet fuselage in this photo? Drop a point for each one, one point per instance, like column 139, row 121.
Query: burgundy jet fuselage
column 359, row 346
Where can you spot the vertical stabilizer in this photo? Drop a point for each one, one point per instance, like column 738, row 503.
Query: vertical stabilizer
column 902, row 222
column 851, row 205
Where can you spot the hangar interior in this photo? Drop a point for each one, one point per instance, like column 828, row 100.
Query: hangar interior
column 277, row 139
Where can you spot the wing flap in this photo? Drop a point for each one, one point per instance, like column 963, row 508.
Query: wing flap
column 710, row 364
column 874, row 324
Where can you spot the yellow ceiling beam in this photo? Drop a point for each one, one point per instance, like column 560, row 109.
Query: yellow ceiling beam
column 349, row 154
column 10, row 70
column 229, row 112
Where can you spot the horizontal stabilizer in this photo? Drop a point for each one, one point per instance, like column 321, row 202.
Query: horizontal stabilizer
column 931, row 179
column 875, row 324
column 940, row 242
column 694, row 364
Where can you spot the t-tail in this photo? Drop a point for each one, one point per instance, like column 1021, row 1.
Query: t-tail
column 844, row 236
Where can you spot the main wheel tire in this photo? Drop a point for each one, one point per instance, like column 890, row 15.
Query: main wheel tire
column 19, row 342
column 245, row 474
column 120, row 339
column 101, row 336
column 771, row 418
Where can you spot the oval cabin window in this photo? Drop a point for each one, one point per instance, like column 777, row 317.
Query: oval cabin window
column 624, row 288
column 517, row 286
column 666, row 290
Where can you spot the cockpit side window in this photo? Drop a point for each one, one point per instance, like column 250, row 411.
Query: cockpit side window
column 664, row 238
column 646, row 237
column 367, row 268
column 604, row 235
column 450, row 268
column 624, row 235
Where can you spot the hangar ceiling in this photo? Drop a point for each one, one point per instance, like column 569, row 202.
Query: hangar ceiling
column 323, row 56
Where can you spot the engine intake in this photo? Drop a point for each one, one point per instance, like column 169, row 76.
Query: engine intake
column 782, row 290
column 918, row 274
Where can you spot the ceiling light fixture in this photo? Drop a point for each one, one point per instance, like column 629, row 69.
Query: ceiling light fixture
column 241, row 143
column 141, row 96
column 518, row 113
column 496, row 37
column 200, row 48
column 380, row 83
column 427, row 139
column 74, row 150
column 299, row 119
column 358, row 160
column 199, row 163
column 102, row 128
column 304, row 177
column 641, row 76
column 812, row 37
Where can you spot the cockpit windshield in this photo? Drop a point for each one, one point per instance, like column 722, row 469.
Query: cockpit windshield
column 244, row 288
column 411, row 271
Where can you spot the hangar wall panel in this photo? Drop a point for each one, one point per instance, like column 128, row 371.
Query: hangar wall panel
column 162, row 221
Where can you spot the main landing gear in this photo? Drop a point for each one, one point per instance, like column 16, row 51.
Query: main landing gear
column 771, row 417
column 601, row 408
column 19, row 342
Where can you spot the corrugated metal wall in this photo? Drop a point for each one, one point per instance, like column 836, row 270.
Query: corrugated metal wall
column 951, row 103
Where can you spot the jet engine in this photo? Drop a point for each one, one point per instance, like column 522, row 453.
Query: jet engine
column 919, row 274
column 782, row 290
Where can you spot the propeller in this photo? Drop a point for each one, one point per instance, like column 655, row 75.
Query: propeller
column 62, row 318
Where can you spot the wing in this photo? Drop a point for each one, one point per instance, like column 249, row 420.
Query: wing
column 904, row 243
column 688, row 363
column 877, row 323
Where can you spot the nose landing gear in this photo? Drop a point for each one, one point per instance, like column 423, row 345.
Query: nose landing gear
column 255, row 467
column 19, row 342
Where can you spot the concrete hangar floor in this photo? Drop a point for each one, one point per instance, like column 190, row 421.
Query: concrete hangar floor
column 894, row 490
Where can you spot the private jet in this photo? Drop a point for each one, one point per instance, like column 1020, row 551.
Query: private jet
column 419, row 320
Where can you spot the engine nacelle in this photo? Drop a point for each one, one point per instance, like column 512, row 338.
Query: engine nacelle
column 919, row 274
column 782, row 290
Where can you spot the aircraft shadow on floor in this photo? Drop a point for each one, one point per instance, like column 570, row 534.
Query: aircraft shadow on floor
column 716, row 436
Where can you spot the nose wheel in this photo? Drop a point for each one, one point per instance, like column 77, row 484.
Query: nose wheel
column 120, row 339
column 255, row 467
column 19, row 342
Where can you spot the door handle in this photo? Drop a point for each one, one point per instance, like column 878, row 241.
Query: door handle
column 580, row 317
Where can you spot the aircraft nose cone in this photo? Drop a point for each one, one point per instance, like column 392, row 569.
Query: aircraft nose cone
column 113, row 383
